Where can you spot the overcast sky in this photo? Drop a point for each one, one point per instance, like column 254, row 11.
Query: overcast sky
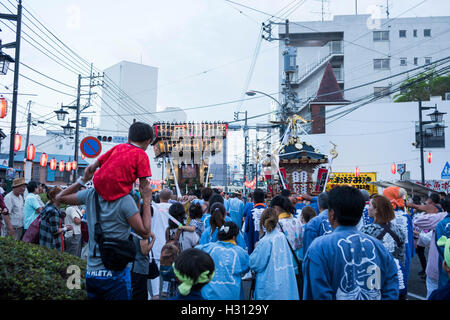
column 203, row 49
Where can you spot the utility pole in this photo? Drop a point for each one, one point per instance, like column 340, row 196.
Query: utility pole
column 16, row 45
column 236, row 117
column 27, row 140
column 422, row 167
column 77, row 127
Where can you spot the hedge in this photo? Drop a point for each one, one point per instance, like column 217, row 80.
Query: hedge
column 33, row 272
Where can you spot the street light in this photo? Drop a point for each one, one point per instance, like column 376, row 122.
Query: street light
column 61, row 114
column 436, row 116
column 438, row 130
column 5, row 60
column 68, row 129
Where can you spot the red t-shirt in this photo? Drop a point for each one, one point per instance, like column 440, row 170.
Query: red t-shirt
column 119, row 169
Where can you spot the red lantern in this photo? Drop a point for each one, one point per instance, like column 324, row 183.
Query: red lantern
column 393, row 168
column 31, row 152
column 68, row 166
column 74, row 165
column 3, row 107
column 17, row 142
column 357, row 172
column 82, row 156
column 43, row 159
column 61, row 166
column 429, row 157
column 53, row 164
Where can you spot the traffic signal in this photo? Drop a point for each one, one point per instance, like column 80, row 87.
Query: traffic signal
column 104, row 138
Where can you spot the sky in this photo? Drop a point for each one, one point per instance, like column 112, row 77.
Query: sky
column 203, row 49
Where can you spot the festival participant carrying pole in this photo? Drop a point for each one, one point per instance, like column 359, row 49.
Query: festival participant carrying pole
column 334, row 154
column 175, row 178
column 209, row 166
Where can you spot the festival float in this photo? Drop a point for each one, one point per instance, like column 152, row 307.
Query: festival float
column 187, row 148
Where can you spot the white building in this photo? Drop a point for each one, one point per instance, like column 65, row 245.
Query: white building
column 381, row 133
column 362, row 50
column 129, row 93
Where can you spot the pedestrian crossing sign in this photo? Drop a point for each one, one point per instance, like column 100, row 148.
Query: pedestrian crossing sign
column 445, row 174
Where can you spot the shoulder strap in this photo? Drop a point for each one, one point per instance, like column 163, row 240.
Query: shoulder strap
column 98, row 228
column 387, row 229
column 290, row 247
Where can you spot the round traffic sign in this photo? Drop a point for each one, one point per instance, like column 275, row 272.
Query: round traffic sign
column 91, row 147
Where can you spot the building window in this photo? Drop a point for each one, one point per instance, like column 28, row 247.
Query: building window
column 402, row 33
column 380, row 91
column 427, row 60
column 416, row 61
column 380, row 35
column 428, row 140
column 403, row 61
column 381, row 64
column 415, row 33
column 427, row 32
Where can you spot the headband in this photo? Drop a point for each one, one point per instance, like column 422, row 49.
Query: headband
column 187, row 282
column 445, row 242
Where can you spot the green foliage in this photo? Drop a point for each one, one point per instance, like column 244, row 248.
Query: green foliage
column 33, row 272
column 422, row 90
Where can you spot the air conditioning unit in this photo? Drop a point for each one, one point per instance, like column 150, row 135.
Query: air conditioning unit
column 447, row 96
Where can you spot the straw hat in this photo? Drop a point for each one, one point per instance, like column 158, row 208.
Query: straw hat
column 18, row 182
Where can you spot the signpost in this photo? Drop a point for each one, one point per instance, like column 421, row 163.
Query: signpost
column 445, row 174
column 91, row 147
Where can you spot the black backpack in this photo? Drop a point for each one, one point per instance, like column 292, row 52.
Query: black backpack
column 115, row 253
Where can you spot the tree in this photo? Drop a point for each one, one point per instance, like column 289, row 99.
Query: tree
column 414, row 89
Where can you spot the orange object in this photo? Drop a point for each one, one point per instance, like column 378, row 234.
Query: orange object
column 393, row 194
column 17, row 142
column 53, row 164
column 43, row 160
column 61, row 166
column 31, row 152
column 3, row 107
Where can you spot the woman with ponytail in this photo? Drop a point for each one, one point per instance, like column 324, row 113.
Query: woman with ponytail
column 216, row 221
column 273, row 262
column 232, row 262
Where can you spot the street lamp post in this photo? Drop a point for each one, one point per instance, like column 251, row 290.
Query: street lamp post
column 16, row 45
column 436, row 131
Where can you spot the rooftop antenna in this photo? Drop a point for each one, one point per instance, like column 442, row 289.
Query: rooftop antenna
column 323, row 8
column 356, row 7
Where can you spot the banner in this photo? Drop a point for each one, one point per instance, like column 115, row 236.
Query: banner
column 321, row 179
column 349, row 178
column 436, row 185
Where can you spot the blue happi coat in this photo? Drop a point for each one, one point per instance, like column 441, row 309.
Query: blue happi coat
column 251, row 229
column 404, row 222
column 231, row 263
column 236, row 211
column 316, row 227
column 349, row 265
column 207, row 237
column 273, row 263
column 442, row 229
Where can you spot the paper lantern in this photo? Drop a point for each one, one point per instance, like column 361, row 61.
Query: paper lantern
column 61, row 166
column 31, row 152
column 43, row 159
column 429, row 157
column 393, row 168
column 357, row 172
column 53, row 164
column 83, row 156
column 68, row 166
column 74, row 165
column 17, row 142
column 3, row 107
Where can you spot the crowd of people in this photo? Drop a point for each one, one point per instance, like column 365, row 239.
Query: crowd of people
column 344, row 244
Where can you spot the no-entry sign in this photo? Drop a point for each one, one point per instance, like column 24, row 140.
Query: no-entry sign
column 91, row 147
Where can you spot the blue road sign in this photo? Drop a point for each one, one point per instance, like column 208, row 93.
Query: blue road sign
column 91, row 147
column 445, row 174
